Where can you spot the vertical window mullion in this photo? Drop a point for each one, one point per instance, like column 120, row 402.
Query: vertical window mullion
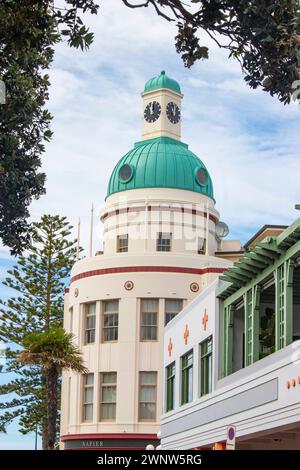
column 206, row 366
column 170, row 374
column 186, row 377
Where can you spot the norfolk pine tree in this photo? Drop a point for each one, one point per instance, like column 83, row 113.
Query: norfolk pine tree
column 38, row 279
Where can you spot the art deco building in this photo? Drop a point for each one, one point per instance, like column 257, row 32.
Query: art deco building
column 162, row 246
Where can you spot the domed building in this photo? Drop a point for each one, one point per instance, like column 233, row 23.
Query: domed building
column 163, row 245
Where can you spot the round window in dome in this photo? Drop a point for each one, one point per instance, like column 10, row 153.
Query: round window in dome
column 125, row 173
column 201, row 176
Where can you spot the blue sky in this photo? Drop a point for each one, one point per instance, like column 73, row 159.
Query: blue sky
column 248, row 140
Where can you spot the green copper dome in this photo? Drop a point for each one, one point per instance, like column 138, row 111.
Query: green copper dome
column 162, row 81
column 160, row 163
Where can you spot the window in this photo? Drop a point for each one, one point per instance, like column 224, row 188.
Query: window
column 90, row 323
column 187, row 378
column 147, row 397
column 71, row 319
column 172, row 307
column 267, row 320
column 110, row 320
column 149, row 314
column 88, row 396
column 108, row 399
column 122, row 243
column 201, row 246
column 126, row 173
column 201, row 176
column 163, row 242
column 206, row 367
column 170, row 377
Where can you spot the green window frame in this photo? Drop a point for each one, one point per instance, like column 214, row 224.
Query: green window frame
column 187, row 378
column 170, row 387
column 206, row 366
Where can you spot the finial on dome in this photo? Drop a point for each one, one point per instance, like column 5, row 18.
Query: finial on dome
column 162, row 81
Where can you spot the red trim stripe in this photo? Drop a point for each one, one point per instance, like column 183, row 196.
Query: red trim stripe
column 67, row 290
column 142, row 269
column 182, row 210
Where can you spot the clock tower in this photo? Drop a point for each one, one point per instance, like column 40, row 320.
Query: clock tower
column 161, row 248
column 161, row 108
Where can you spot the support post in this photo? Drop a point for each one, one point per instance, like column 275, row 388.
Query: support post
column 284, row 304
column 227, row 340
column 251, row 306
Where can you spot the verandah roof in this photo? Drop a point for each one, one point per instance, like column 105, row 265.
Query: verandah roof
column 254, row 262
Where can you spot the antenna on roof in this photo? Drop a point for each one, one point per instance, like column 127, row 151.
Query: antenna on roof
column 78, row 239
column 91, row 231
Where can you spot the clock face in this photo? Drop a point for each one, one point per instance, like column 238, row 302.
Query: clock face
column 173, row 112
column 152, row 111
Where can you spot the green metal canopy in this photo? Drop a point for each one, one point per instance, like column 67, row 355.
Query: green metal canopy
column 268, row 273
column 255, row 262
column 162, row 81
column 160, row 163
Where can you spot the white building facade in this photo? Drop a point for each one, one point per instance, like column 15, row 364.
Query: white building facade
column 162, row 247
column 232, row 356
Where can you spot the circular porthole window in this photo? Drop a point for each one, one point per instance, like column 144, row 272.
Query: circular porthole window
column 125, row 173
column 201, row 176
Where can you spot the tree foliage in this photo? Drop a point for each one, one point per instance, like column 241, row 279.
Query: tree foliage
column 29, row 31
column 263, row 35
column 38, row 280
column 53, row 351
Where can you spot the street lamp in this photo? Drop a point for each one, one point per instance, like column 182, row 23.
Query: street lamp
column 151, row 446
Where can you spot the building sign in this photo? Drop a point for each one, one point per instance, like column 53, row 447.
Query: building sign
column 90, row 444
column 231, row 434
column 111, row 443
